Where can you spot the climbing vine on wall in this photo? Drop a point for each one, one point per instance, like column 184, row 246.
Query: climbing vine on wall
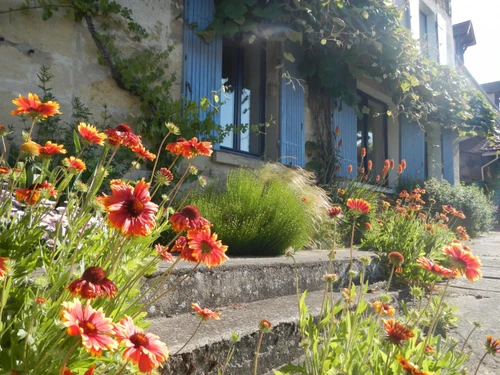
column 143, row 74
column 343, row 40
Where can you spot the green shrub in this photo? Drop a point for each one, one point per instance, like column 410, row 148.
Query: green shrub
column 255, row 217
column 478, row 207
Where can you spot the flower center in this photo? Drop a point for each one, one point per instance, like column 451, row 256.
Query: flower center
column 95, row 275
column 206, row 248
column 139, row 339
column 191, row 212
column 134, row 207
column 88, row 328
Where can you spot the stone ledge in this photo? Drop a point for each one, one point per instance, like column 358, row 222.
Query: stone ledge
column 244, row 280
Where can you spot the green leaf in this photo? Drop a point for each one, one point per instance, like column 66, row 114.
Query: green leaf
column 289, row 56
column 365, row 14
column 323, row 41
column 294, row 36
column 76, row 141
column 235, row 10
column 216, row 98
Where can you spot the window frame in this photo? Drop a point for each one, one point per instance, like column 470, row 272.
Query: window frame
column 239, row 60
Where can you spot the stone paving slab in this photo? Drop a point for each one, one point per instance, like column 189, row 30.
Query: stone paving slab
column 480, row 301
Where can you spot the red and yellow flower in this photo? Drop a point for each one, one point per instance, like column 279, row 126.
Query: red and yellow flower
column 205, row 314
column 130, row 209
column 164, row 176
column 186, row 253
column 4, row 268
column 34, row 192
column 34, row 108
column 123, row 135
column 91, row 325
column 143, row 349
column 462, row 233
column 31, row 148
column 206, row 248
column 492, row 345
column 358, row 206
column 51, row 149
column 74, row 165
column 93, row 284
column 435, row 268
column 141, row 152
column 396, row 332
column 383, row 308
column 188, row 218
column 90, row 134
column 410, row 367
column 190, row 148
column 335, row 212
column 464, row 262
column 164, row 253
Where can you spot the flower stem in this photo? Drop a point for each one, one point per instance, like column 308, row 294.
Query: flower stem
column 389, row 355
column 467, row 339
column 66, row 359
column 256, row 361
column 390, row 279
column 350, row 251
column 191, row 337
column 123, row 368
column 158, row 157
column 480, row 362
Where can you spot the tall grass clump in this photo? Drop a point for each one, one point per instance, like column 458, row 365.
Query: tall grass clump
column 255, row 216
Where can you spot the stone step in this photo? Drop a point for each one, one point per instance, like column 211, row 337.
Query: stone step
column 244, row 280
column 207, row 352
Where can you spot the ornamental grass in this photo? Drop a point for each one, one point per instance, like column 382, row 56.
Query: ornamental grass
column 72, row 257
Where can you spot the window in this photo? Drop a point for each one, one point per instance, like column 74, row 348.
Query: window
column 243, row 80
column 372, row 132
column 424, row 33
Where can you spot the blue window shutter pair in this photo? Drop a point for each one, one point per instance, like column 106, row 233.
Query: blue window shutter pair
column 292, row 112
column 412, row 148
column 347, row 121
column 202, row 70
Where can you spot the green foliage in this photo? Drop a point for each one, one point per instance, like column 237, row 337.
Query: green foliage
column 364, row 38
column 349, row 338
column 255, row 217
column 404, row 232
column 477, row 206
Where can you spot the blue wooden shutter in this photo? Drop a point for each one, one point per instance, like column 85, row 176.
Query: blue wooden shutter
column 347, row 121
column 412, row 147
column 292, row 112
column 202, row 72
column 447, row 154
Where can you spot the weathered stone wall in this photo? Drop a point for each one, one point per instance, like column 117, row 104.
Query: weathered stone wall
column 66, row 47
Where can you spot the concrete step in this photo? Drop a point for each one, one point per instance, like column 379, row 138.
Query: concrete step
column 207, row 352
column 244, row 280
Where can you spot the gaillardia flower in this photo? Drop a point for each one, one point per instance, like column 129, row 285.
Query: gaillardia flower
column 383, row 308
column 206, row 248
column 31, row 148
column 74, row 165
column 51, row 149
column 34, row 192
column 90, row 134
column 205, row 314
column 93, row 283
column 143, row 349
column 164, row 176
column 141, row 152
column 189, row 149
column 265, row 325
column 130, row 208
column 492, row 345
column 4, row 269
column 358, row 206
column 186, row 253
column 464, row 262
column 435, row 268
column 335, row 212
column 34, row 108
column 163, row 253
column 462, row 233
column 409, row 367
column 123, row 135
column 91, row 325
column 188, row 218
column 396, row 332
